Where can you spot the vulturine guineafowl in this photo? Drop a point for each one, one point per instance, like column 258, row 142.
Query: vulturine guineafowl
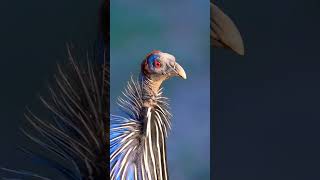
column 138, row 141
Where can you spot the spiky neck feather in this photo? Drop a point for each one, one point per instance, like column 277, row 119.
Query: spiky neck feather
column 140, row 143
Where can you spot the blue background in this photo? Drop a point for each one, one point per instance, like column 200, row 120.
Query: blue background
column 181, row 29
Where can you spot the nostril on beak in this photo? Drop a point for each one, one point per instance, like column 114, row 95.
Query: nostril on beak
column 172, row 64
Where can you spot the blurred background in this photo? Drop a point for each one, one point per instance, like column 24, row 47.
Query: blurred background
column 266, row 105
column 33, row 40
column 182, row 29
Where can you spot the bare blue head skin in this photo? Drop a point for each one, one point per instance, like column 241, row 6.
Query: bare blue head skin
column 159, row 66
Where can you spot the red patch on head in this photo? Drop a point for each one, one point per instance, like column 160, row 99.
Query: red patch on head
column 157, row 64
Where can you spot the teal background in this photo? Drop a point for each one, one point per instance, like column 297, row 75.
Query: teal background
column 181, row 29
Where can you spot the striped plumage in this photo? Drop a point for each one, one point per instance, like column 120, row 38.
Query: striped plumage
column 138, row 141
column 74, row 140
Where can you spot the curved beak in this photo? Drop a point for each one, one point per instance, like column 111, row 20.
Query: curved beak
column 180, row 71
column 224, row 32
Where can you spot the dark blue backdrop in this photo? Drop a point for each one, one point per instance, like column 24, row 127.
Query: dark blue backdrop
column 33, row 37
column 267, row 104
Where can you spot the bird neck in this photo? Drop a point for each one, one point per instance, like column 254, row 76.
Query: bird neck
column 151, row 88
column 155, row 125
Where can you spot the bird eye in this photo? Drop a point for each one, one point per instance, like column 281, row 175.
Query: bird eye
column 157, row 64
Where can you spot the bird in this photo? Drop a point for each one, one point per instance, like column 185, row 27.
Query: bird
column 224, row 33
column 138, row 140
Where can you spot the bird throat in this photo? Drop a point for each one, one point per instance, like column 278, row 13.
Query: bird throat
column 151, row 84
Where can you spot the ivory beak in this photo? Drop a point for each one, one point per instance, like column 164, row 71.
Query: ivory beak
column 180, row 71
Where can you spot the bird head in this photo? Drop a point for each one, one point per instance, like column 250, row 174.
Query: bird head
column 159, row 66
